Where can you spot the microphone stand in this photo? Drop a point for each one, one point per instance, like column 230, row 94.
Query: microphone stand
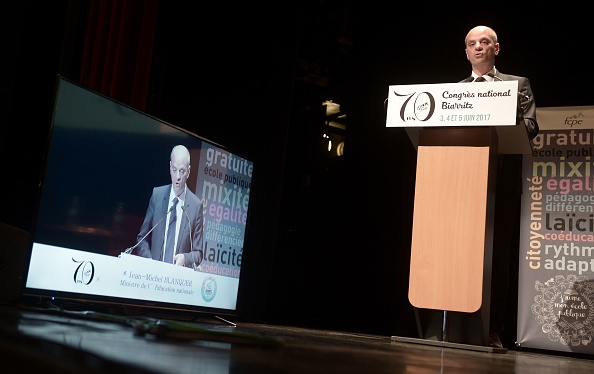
column 129, row 250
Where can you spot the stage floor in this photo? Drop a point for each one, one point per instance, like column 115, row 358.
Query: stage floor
column 51, row 341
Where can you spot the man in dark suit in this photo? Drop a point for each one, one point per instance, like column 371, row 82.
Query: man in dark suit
column 482, row 47
column 174, row 206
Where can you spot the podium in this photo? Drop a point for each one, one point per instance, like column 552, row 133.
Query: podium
column 452, row 234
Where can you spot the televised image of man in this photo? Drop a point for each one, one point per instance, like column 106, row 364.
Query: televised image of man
column 172, row 230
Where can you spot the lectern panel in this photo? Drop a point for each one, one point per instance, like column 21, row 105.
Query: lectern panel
column 449, row 228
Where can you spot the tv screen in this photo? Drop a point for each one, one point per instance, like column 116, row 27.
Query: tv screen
column 106, row 206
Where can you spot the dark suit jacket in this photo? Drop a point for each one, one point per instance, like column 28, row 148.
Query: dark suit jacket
column 190, row 238
column 527, row 107
column 509, row 167
column 527, row 104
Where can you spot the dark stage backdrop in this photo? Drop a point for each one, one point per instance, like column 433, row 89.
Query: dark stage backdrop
column 332, row 237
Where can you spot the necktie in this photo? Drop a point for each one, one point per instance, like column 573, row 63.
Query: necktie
column 170, row 242
column 480, row 79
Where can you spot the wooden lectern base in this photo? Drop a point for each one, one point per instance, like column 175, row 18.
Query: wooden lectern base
column 451, row 330
column 449, row 227
column 437, row 343
column 452, row 236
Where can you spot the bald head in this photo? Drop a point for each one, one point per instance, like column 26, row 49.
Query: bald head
column 481, row 49
column 179, row 168
column 482, row 30
column 179, row 152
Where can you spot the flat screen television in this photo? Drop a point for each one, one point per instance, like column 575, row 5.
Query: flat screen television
column 103, row 161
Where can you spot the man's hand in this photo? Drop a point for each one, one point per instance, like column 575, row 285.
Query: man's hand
column 179, row 259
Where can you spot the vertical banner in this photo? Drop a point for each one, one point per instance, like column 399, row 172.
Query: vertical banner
column 224, row 182
column 556, row 262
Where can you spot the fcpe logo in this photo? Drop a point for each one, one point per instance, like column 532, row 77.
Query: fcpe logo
column 417, row 106
column 209, row 288
column 574, row 120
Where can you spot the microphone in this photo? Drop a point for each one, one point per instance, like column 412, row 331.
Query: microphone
column 521, row 94
column 129, row 250
column 469, row 79
column 494, row 76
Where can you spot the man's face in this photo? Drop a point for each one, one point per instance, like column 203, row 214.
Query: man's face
column 480, row 48
column 180, row 171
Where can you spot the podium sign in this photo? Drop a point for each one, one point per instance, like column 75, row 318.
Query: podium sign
column 453, row 104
